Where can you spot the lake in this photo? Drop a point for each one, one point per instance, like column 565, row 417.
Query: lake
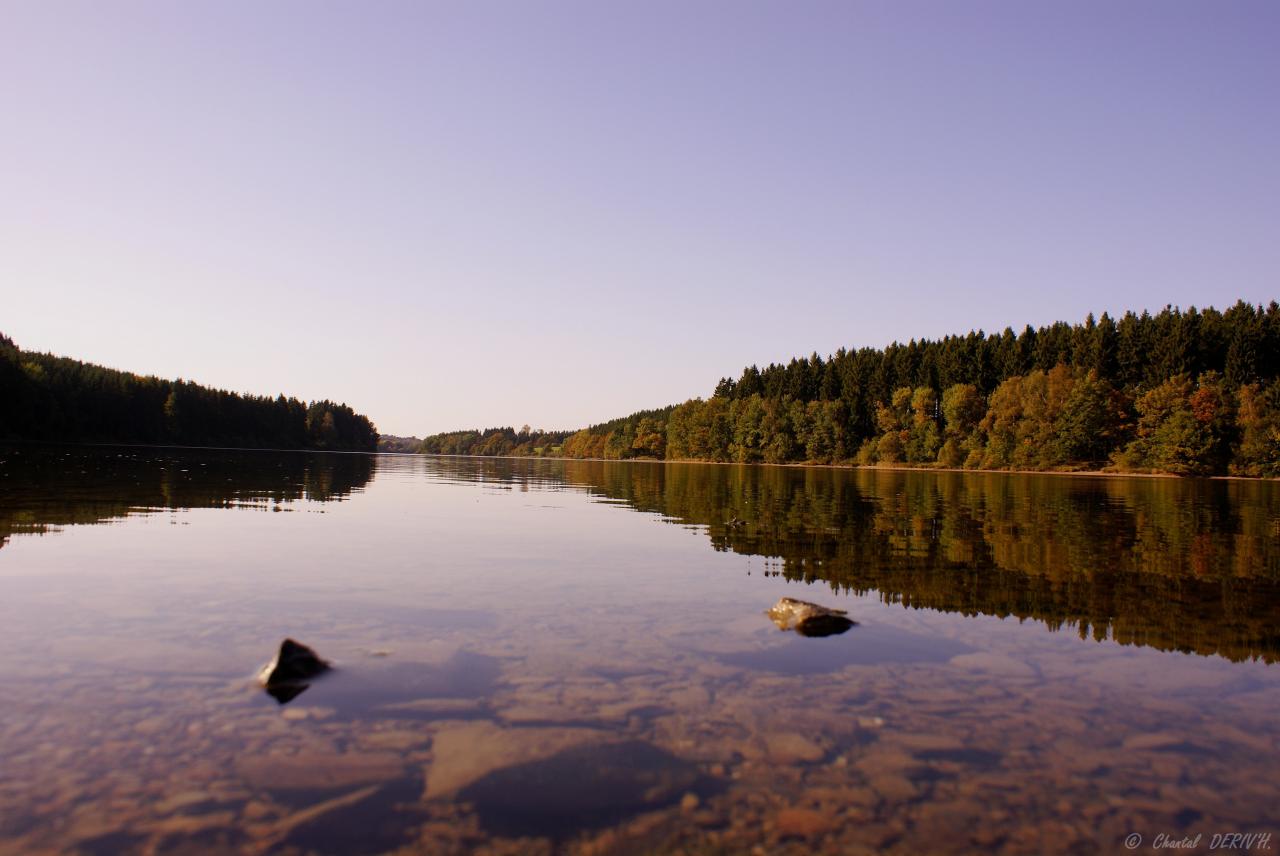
column 573, row 657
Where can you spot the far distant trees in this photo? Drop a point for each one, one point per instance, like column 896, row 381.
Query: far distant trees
column 500, row 442
column 402, row 445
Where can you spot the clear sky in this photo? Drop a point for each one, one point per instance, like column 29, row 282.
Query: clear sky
column 465, row 214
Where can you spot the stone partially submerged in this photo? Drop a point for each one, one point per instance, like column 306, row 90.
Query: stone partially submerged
column 294, row 666
column 808, row 619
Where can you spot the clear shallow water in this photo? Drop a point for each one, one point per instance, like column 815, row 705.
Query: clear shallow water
column 545, row 656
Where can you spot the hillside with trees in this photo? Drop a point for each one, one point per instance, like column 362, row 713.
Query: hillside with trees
column 398, row 445
column 50, row 398
column 496, row 442
column 640, row 435
column 1194, row 392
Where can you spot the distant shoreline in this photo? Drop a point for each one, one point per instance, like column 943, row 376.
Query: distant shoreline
column 849, row 467
column 793, row 464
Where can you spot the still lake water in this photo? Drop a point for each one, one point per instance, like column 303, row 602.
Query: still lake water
column 550, row 656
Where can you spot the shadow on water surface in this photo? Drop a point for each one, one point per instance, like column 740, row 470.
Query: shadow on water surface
column 378, row 822
column 583, row 788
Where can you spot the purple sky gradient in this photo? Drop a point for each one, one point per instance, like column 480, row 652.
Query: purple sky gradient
column 470, row 214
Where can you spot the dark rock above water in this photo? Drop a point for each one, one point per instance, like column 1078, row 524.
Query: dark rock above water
column 294, row 665
column 808, row 619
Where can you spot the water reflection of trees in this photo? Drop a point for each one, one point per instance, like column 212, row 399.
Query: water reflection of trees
column 49, row 487
column 1187, row 565
column 1173, row 564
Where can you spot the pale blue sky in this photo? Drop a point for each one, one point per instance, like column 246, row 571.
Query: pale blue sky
column 469, row 214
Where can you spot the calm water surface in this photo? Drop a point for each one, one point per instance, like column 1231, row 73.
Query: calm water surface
column 573, row 657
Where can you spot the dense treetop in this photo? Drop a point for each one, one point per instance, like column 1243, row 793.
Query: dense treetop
column 56, row 398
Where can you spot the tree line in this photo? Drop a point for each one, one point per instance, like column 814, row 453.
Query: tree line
column 1194, row 392
column 51, row 398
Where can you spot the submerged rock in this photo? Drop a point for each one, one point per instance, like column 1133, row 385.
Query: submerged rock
column 808, row 619
column 293, row 667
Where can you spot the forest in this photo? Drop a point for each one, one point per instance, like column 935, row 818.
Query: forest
column 57, row 399
column 1186, row 392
